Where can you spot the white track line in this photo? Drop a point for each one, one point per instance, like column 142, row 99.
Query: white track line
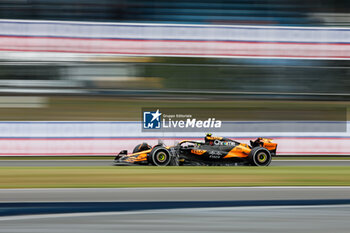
column 90, row 214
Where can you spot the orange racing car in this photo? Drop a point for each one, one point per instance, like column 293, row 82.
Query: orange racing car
column 214, row 151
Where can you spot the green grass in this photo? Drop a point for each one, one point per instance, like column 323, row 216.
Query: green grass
column 88, row 177
column 126, row 109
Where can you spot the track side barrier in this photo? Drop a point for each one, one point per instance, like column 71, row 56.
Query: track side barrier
column 108, row 138
column 174, row 40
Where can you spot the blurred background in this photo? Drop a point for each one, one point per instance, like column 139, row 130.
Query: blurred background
column 104, row 60
column 79, row 72
column 266, row 12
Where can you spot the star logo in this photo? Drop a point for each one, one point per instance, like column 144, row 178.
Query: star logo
column 151, row 120
column 156, row 115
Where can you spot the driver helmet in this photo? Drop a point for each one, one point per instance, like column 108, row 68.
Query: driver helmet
column 206, row 139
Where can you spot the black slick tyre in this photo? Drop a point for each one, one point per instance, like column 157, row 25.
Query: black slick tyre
column 259, row 156
column 160, row 156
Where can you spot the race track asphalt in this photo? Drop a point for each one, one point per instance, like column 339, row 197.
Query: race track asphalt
column 233, row 209
column 173, row 194
column 287, row 219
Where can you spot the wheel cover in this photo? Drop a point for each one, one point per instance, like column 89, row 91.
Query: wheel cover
column 161, row 157
column 262, row 157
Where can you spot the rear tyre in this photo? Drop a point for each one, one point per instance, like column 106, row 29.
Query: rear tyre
column 160, row 156
column 141, row 147
column 259, row 156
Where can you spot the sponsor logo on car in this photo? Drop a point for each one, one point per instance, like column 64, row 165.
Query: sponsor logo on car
column 224, row 143
column 198, row 152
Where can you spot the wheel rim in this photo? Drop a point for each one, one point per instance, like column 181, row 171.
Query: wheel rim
column 262, row 157
column 161, row 157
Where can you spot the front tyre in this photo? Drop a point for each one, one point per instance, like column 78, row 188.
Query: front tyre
column 259, row 156
column 160, row 156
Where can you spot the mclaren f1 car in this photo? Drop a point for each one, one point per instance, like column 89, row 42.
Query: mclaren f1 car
column 214, row 151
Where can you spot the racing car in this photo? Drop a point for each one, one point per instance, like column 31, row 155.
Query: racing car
column 214, row 151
